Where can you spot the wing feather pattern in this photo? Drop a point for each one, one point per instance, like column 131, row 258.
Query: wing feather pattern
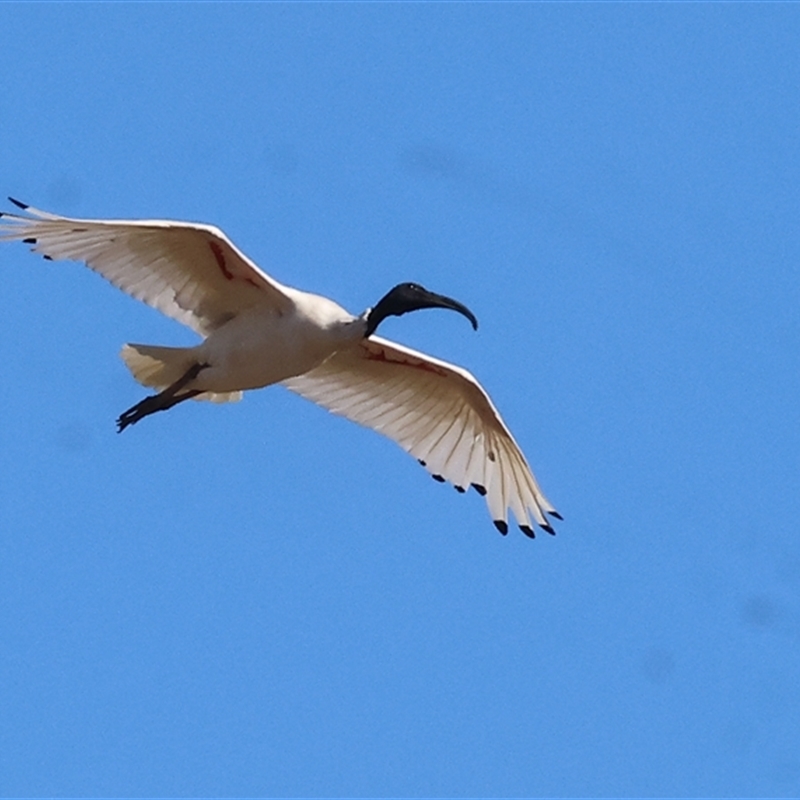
column 190, row 272
column 436, row 412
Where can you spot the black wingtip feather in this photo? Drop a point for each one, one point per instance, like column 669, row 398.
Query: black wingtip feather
column 481, row 490
column 47, row 258
column 528, row 531
column 29, row 240
column 460, row 489
column 548, row 528
column 19, row 204
column 501, row 525
column 438, row 478
column 556, row 515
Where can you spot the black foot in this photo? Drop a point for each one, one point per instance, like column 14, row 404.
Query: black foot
column 161, row 401
column 150, row 405
column 134, row 414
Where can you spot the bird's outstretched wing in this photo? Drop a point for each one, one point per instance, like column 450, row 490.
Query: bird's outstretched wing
column 190, row 272
column 439, row 414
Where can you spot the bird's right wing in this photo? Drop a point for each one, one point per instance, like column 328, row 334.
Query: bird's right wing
column 439, row 414
column 188, row 271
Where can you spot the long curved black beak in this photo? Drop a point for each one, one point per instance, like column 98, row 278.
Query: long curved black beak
column 407, row 297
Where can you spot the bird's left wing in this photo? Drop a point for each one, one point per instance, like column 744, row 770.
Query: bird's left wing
column 190, row 272
column 439, row 414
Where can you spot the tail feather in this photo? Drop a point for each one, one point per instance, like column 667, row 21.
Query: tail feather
column 159, row 367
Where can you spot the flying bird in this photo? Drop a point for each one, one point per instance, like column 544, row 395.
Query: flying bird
column 257, row 332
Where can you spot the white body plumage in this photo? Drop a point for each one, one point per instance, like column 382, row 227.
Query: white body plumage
column 258, row 348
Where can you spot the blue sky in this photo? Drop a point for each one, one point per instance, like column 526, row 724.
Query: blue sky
column 262, row 599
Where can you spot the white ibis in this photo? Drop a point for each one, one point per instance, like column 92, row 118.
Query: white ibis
column 257, row 332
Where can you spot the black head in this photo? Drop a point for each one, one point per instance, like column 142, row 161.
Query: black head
column 407, row 297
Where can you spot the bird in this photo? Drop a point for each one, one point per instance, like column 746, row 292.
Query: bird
column 257, row 332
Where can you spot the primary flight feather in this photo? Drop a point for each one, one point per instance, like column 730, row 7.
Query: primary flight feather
column 257, row 332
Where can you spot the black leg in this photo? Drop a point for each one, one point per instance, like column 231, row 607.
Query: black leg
column 163, row 400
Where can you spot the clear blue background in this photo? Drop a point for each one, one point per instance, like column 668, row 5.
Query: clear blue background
column 262, row 599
